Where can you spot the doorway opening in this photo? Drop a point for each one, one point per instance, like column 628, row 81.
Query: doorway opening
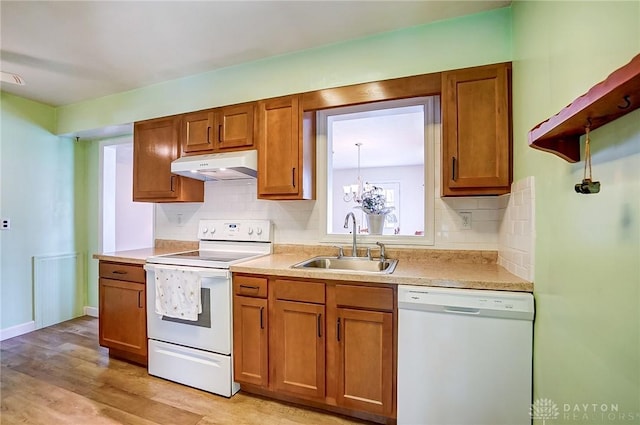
column 125, row 224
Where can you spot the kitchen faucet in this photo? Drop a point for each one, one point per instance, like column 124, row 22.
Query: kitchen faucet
column 383, row 255
column 354, row 248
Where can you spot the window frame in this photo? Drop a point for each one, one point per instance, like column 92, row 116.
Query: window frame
column 432, row 136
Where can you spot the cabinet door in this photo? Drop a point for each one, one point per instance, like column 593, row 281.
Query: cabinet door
column 196, row 132
column 234, row 127
column 365, row 360
column 298, row 356
column 250, row 344
column 122, row 316
column 278, row 147
column 476, row 131
column 155, row 145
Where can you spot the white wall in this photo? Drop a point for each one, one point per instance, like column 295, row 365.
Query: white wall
column 108, row 198
column 134, row 220
column 125, row 224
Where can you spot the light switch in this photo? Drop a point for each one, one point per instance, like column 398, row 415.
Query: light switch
column 6, row 224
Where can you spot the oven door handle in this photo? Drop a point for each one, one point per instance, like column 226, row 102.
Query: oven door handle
column 204, row 273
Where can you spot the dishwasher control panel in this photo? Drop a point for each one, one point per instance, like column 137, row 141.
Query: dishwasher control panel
column 517, row 305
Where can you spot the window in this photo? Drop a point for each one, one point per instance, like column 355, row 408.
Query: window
column 385, row 149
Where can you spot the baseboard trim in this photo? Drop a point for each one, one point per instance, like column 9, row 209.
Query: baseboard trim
column 90, row 311
column 17, row 330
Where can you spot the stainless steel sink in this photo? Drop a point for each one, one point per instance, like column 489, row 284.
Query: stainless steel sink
column 359, row 264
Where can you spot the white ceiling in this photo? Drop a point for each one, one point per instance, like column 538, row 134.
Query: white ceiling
column 70, row 51
column 387, row 137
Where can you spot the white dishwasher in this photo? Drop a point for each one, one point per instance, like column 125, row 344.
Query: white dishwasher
column 464, row 356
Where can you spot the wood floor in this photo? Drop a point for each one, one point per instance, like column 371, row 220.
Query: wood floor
column 60, row 375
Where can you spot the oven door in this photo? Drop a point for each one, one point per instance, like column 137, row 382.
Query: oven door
column 212, row 330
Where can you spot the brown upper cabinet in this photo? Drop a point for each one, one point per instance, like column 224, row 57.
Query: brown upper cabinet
column 476, row 135
column 228, row 128
column 195, row 133
column 286, row 149
column 235, row 127
column 155, row 145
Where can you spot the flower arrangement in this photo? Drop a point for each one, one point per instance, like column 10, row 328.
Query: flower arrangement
column 373, row 201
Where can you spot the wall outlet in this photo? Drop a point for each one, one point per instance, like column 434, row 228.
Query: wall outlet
column 6, row 224
column 466, row 220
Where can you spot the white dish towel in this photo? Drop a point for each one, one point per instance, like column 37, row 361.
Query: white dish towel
column 178, row 293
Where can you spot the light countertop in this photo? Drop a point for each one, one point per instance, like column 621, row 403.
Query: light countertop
column 469, row 270
column 134, row 256
column 139, row 256
column 407, row 272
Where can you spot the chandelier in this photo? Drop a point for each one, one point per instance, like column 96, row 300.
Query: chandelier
column 353, row 192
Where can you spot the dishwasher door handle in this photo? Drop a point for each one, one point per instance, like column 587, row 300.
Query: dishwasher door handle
column 461, row 310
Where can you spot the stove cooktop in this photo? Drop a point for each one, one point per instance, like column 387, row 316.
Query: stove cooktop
column 204, row 255
column 223, row 243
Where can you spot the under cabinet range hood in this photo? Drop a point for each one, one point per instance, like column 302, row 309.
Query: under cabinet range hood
column 218, row 166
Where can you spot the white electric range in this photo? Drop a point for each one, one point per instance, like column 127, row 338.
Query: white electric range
column 199, row 353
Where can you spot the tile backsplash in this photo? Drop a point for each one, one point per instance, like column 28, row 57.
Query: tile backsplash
column 293, row 221
column 298, row 222
column 517, row 229
column 504, row 224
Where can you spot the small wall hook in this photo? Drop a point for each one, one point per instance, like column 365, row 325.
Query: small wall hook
column 627, row 104
column 588, row 125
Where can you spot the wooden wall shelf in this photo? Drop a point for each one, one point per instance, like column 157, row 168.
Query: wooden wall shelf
column 608, row 100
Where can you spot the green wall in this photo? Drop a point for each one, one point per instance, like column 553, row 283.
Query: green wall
column 587, row 267
column 87, row 164
column 38, row 194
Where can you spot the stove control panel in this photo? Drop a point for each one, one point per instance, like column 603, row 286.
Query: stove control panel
column 235, row 230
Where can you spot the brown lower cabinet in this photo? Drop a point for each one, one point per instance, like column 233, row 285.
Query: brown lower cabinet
column 250, row 340
column 325, row 344
column 365, row 359
column 122, row 323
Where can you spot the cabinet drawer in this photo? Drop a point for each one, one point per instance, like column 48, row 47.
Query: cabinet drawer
column 250, row 286
column 295, row 290
column 120, row 271
column 364, row 297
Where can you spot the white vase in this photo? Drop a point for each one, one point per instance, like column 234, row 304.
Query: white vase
column 375, row 223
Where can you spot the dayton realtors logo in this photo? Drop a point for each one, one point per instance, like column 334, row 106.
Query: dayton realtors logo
column 598, row 412
column 544, row 408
